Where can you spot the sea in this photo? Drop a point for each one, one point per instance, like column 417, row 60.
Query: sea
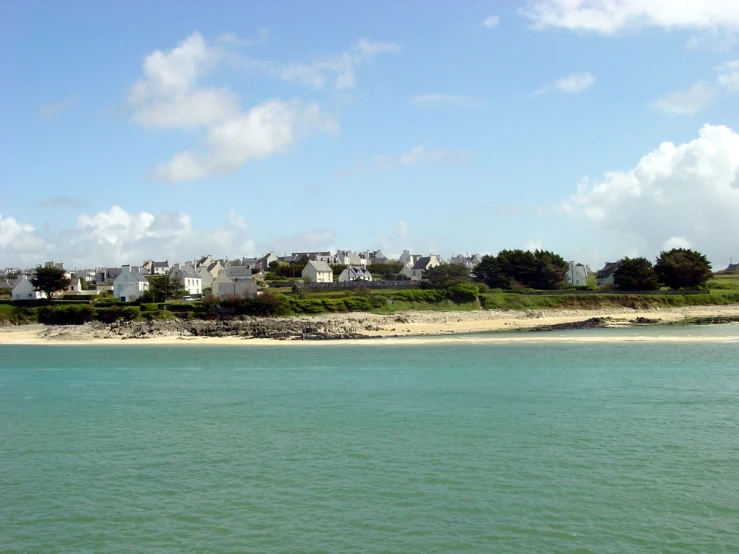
column 482, row 447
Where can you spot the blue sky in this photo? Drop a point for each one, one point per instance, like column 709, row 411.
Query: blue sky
column 173, row 129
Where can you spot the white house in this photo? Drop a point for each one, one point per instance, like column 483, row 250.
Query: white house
column 129, row 286
column 318, row 272
column 156, row 268
column 242, row 287
column 190, row 279
column 465, row 260
column 424, row 263
column 577, row 274
column 234, row 280
column 360, row 273
column 208, row 273
column 407, row 271
column 24, row 290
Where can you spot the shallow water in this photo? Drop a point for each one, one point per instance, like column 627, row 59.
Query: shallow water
column 435, row 448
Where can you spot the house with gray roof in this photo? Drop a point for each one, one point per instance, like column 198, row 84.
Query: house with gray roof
column 318, row 272
column 355, row 273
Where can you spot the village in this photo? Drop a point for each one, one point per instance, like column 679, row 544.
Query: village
column 243, row 277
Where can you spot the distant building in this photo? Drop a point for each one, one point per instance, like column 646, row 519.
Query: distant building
column 190, row 279
column 605, row 275
column 577, row 274
column 156, row 268
column 318, row 272
column 355, row 273
column 424, row 263
column 23, row 289
column 56, row 265
column 465, row 260
column 130, row 285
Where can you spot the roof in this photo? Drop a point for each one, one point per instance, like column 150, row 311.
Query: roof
column 320, row 266
column 359, row 270
column 187, row 272
column 160, row 264
column 238, row 271
column 607, row 270
column 422, row 263
column 733, row 267
column 4, row 284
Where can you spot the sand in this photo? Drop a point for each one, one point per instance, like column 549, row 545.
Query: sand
column 415, row 327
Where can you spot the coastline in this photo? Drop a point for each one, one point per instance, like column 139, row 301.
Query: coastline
column 401, row 328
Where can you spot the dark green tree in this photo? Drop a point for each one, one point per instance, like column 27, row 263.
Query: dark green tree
column 163, row 288
column 549, row 272
column 488, row 271
column 683, row 268
column 49, row 280
column 447, row 275
column 635, row 274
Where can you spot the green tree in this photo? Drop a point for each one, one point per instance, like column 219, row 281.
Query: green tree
column 163, row 288
column 488, row 272
column 683, row 268
column 447, row 275
column 635, row 274
column 549, row 271
column 49, row 280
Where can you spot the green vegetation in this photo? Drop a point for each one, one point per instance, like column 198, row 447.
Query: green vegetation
column 521, row 269
column 163, row 287
column 682, row 268
column 49, row 280
column 447, row 275
column 635, row 274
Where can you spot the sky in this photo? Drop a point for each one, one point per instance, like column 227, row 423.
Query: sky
column 168, row 130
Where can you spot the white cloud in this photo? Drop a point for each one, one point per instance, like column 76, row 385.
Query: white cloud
column 170, row 96
column 701, row 94
column 533, row 245
column 676, row 195
column 418, row 155
column 115, row 237
column 446, row 101
column 47, row 112
column 490, row 22
column 687, row 102
column 19, row 242
column 574, row 83
column 270, row 128
column 608, row 17
column 337, row 71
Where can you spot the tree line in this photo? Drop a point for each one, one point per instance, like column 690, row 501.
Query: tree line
column 679, row 268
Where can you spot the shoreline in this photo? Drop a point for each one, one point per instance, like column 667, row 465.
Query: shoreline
column 402, row 328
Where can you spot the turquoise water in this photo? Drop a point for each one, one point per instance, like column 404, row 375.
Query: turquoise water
column 431, row 448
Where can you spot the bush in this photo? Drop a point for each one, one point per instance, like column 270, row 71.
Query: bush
column 463, row 292
column 431, row 296
column 72, row 314
column 150, row 306
column 159, row 315
column 108, row 315
column 129, row 313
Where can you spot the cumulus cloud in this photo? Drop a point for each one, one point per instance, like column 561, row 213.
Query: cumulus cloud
column 170, row 95
column 702, row 94
column 418, row 155
column 676, row 195
column 575, row 83
column 19, row 242
column 446, row 101
column 608, row 17
column 115, row 236
column 491, row 21
column 270, row 128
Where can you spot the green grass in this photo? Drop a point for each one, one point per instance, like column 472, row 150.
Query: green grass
column 724, row 282
column 506, row 301
column 444, row 306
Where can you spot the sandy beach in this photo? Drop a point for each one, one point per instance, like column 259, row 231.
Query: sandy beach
column 411, row 327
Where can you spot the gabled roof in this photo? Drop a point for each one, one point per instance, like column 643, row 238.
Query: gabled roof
column 607, row 270
column 359, row 270
column 422, row 263
column 321, row 267
column 733, row 267
column 187, row 272
column 160, row 264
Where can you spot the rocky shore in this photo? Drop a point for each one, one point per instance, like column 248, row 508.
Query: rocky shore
column 364, row 325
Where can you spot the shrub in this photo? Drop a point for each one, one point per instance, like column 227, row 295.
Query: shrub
column 463, row 292
column 71, row 314
column 108, row 315
column 129, row 313
column 150, row 307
